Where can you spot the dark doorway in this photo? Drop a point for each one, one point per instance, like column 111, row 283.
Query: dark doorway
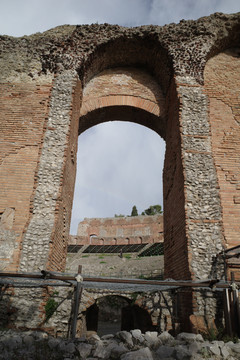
column 92, row 318
column 134, row 317
column 111, row 314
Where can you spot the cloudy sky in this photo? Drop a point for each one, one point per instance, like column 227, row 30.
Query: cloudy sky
column 119, row 163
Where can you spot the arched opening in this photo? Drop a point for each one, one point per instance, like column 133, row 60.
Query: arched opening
column 189, row 214
column 131, row 95
column 114, row 313
column 135, row 317
column 91, row 238
column 140, row 92
column 119, row 165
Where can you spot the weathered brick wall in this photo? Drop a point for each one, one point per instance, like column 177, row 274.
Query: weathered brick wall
column 66, row 51
column 24, row 109
column 222, row 79
column 120, row 230
column 42, row 232
column 123, row 86
column 201, row 182
column 126, row 94
column 59, row 240
column 175, row 246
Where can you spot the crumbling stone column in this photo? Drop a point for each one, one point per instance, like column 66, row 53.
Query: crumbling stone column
column 38, row 236
column 202, row 204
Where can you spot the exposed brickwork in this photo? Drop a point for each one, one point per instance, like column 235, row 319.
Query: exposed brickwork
column 40, row 103
column 175, row 244
column 122, row 226
column 118, row 100
column 222, row 78
column 119, row 231
column 123, row 94
column 129, row 87
column 24, row 109
column 58, row 248
column 47, row 196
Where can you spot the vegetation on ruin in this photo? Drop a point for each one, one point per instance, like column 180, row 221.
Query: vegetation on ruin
column 134, row 211
column 151, row 210
column 218, row 334
column 50, row 307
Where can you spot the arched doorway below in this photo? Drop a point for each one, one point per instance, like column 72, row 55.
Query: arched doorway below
column 113, row 313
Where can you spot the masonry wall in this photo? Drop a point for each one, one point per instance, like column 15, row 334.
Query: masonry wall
column 123, row 86
column 24, row 108
column 60, row 238
column 39, row 75
column 222, row 78
column 158, row 304
column 175, row 245
column 119, row 230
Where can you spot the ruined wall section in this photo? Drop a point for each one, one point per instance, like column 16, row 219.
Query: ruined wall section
column 88, row 50
column 24, row 109
column 25, row 91
column 203, row 210
column 123, row 83
column 222, row 78
column 126, row 94
column 40, row 232
column 119, row 231
column 158, row 304
column 60, row 237
column 176, row 264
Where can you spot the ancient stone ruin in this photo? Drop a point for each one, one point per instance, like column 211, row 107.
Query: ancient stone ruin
column 125, row 230
column 181, row 81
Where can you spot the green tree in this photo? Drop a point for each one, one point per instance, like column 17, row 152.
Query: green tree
column 153, row 210
column 134, row 211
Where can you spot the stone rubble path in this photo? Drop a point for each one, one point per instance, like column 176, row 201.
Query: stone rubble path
column 132, row 345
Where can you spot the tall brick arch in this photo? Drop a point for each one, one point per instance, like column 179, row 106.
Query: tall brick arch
column 41, row 98
column 125, row 93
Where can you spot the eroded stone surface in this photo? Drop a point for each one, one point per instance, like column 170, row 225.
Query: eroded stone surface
column 31, row 344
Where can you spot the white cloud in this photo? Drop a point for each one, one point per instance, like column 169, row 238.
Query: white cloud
column 166, row 11
column 24, row 17
column 119, row 165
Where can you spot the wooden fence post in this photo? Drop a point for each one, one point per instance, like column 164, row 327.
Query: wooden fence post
column 78, row 294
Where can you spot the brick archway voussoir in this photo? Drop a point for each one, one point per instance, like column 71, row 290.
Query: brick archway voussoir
column 118, row 100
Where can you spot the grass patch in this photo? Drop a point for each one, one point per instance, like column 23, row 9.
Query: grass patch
column 214, row 334
column 102, row 262
column 141, row 276
column 50, row 308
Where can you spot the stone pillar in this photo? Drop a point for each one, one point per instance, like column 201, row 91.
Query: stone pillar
column 39, row 233
column 202, row 201
column 204, row 233
column 28, row 304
